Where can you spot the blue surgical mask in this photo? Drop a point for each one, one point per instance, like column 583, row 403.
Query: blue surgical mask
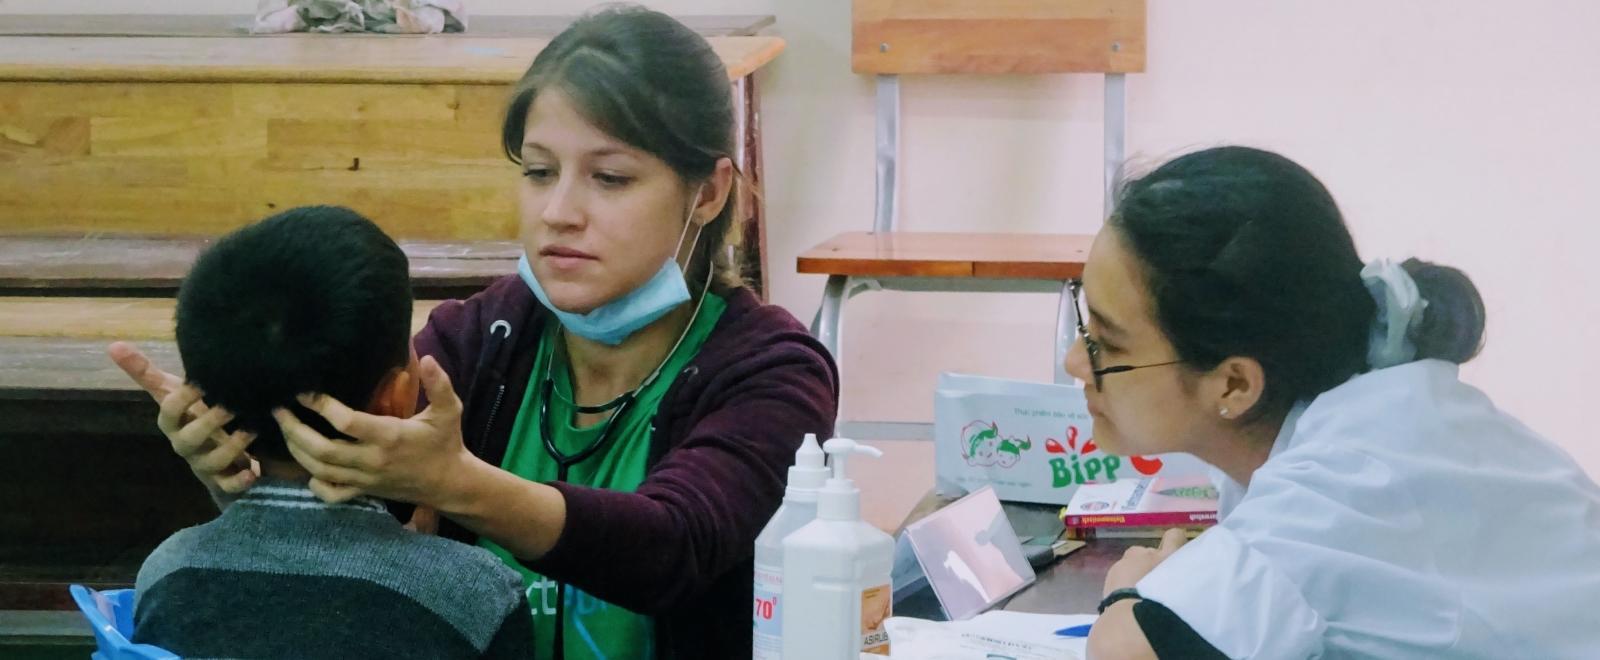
column 615, row 321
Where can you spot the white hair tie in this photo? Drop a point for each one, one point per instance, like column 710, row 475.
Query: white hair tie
column 1400, row 308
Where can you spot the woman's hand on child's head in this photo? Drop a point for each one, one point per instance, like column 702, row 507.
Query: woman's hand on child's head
column 133, row 362
column 194, row 430
column 410, row 460
column 196, row 433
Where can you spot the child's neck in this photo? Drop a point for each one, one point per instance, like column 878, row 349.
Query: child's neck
column 283, row 470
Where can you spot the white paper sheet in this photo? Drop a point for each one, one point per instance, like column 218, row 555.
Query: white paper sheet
column 1017, row 635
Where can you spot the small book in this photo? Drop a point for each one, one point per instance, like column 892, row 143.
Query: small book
column 1148, row 502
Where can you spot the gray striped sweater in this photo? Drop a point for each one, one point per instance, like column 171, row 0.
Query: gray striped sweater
column 281, row 574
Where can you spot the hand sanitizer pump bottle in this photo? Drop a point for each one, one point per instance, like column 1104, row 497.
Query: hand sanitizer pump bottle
column 799, row 507
column 836, row 586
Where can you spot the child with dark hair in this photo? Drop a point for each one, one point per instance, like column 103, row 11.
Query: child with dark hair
column 314, row 299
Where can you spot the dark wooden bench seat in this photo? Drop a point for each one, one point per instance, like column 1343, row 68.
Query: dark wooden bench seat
column 89, row 485
column 150, row 266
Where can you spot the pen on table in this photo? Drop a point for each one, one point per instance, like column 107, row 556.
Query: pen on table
column 1074, row 631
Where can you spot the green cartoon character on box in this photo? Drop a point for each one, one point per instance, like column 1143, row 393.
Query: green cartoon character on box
column 984, row 446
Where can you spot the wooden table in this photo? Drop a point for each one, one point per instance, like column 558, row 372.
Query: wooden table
column 1072, row 584
column 976, row 256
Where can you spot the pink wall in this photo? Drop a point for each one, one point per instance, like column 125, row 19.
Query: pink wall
column 1462, row 132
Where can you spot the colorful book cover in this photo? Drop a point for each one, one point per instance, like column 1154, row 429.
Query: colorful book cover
column 1189, row 501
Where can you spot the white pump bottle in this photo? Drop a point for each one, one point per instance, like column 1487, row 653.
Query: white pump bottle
column 836, row 573
column 799, row 507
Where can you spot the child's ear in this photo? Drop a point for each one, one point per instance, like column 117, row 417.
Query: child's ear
column 397, row 394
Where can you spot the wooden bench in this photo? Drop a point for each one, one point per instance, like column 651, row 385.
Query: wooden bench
column 225, row 25
column 110, row 319
column 197, row 135
column 149, row 266
column 89, row 485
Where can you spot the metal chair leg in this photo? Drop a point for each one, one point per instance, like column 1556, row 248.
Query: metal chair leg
column 827, row 324
column 887, row 138
column 1116, row 133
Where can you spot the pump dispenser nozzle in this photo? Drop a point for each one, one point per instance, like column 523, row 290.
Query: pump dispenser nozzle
column 840, row 499
column 839, row 449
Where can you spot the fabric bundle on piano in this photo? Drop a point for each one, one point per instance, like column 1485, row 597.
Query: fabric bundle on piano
column 388, row 16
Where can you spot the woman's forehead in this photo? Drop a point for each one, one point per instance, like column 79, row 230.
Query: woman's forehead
column 554, row 123
column 1113, row 285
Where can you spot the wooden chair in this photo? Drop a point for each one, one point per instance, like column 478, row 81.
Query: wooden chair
column 892, row 38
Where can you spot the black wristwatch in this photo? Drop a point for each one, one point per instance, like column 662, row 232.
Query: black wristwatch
column 1118, row 595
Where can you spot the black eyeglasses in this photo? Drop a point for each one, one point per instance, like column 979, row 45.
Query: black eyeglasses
column 1092, row 347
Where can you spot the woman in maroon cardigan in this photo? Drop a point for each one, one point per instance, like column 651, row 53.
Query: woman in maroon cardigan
column 616, row 420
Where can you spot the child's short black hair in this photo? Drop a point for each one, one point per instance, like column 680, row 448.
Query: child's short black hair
column 314, row 299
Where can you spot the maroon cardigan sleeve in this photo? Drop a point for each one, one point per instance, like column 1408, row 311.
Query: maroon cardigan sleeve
column 698, row 512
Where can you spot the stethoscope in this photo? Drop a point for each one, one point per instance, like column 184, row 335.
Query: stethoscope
column 565, row 461
column 620, row 405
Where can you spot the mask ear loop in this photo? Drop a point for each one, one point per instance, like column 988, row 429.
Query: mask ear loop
column 688, row 221
column 698, row 303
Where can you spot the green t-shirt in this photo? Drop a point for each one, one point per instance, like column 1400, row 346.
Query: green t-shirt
column 594, row 628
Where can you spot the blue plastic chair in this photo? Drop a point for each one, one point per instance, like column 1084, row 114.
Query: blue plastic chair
column 110, row 613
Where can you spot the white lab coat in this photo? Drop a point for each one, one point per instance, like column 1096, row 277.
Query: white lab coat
column 1400, row 515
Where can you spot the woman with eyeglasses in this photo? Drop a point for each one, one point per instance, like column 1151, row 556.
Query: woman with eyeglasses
column 614, row 421
column 1373, row 505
